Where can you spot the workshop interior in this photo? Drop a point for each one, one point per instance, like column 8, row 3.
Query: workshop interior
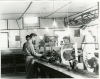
column 49, row 39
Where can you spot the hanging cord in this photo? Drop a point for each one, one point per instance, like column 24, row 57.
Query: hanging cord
column 40, row 29
column 53, row 6
column 53, row 11
column 41, row 18
column 68, row 22
column 67, row 17
column 41, row 21
column 19, row 31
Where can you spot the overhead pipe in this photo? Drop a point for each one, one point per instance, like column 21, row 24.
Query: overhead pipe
column 26, row 10
column 57, row 10
column 36, row 28
column 35, row 13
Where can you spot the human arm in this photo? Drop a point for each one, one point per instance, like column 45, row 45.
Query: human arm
column 32, row 50
column 25, row 50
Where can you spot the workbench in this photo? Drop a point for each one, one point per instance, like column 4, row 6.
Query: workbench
column 51, row 70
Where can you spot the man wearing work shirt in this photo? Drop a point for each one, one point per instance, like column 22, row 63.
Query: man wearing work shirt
column 32, row 54
column 67, row 44
column 67, row 56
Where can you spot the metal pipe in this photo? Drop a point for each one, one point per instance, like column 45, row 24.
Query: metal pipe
column 7, row 24
column 37, row 28
column 35, row 13
column 89, row 43
column 25, row 10
column 57, row 10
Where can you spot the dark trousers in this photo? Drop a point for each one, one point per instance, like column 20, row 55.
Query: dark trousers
column 30, row 67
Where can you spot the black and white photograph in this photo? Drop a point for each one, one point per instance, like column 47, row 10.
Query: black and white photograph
column 49, row 39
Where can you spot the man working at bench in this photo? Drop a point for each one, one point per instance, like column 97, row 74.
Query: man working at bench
column 32, row 54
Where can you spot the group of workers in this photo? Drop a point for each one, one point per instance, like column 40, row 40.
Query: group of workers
column 31, row 52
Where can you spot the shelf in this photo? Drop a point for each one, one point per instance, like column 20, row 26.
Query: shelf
column 20, row 65
column 12, row 62
column 5, row 66
column 20, row 69
column 7, row 70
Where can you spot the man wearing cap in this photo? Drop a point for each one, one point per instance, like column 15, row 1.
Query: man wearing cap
column 32, row 56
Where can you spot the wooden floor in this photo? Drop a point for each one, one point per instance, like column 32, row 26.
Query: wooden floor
column 13, row 76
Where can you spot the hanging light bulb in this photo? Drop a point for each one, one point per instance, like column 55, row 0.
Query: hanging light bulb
column 47, row 29
column 67, row 30
column 41, row 37
column 34, row 29
column 54, row 23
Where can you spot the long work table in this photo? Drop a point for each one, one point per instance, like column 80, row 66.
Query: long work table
column 55, row 71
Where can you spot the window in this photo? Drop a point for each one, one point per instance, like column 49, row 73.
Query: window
column 30, row 22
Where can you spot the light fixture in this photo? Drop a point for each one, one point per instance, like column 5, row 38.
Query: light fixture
column 67, row 31
column 47, row 29
column 35, row 29
column 54, row 23
column 41, row 37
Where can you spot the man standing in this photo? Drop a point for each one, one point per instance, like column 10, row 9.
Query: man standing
column 67, row 56
column 23, row 50
column 30, row 58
